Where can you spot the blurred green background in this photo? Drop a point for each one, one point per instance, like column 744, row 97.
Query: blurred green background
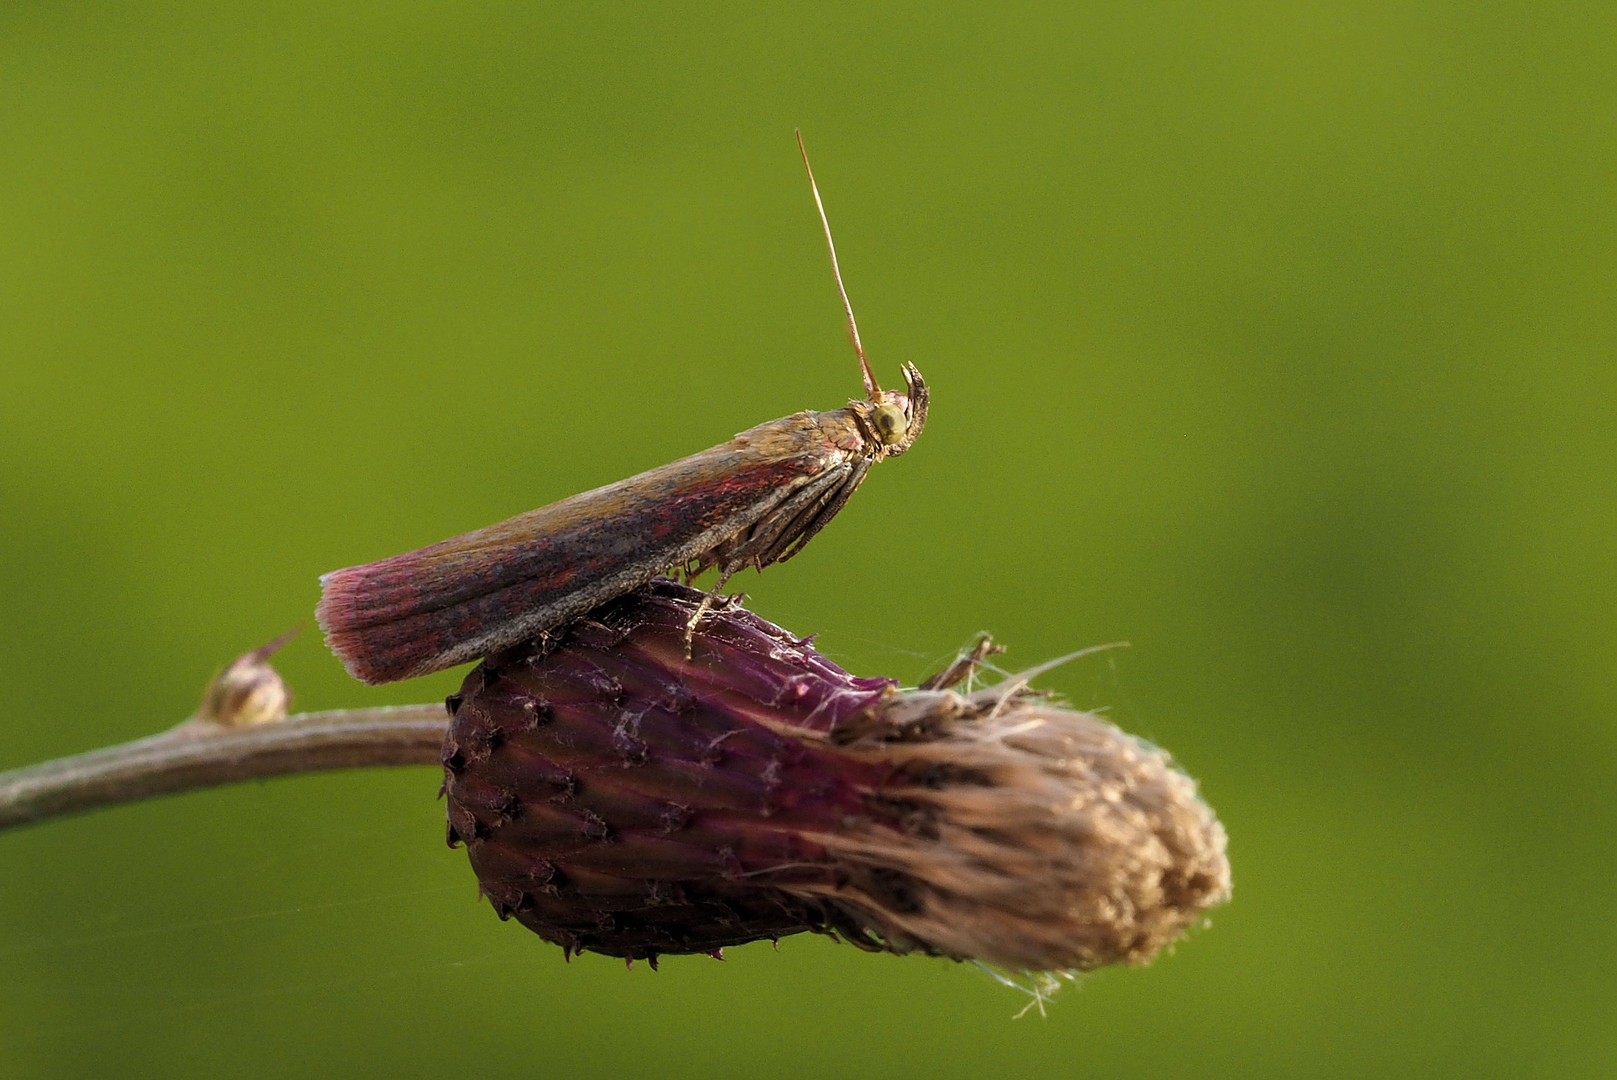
column 1275, row 339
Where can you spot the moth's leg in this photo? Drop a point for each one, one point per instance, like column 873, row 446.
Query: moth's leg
column 964, row 666
column 702, row 609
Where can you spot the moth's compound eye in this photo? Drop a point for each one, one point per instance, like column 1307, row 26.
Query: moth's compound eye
column 890, row 423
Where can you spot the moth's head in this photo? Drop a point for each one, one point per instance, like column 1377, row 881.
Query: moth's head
column 894, row 418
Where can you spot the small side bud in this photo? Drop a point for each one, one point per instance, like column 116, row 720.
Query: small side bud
column 249, row 690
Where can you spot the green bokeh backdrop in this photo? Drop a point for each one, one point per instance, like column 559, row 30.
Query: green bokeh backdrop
column 1275, row 339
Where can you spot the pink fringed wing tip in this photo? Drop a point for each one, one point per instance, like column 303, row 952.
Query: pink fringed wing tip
column 334, row 613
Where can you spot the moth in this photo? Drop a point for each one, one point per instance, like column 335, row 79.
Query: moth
column 752, row 501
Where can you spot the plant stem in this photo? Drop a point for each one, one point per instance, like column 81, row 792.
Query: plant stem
column 199, row 754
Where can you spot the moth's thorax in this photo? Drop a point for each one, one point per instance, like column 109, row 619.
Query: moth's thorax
column 806, row 434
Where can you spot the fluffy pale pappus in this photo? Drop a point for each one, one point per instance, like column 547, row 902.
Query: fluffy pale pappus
column 617, row 797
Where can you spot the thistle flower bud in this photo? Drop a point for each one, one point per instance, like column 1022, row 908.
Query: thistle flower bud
column 248, row 690
column 617, row 797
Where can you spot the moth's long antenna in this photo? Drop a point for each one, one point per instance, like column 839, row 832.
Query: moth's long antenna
column 871, row 387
